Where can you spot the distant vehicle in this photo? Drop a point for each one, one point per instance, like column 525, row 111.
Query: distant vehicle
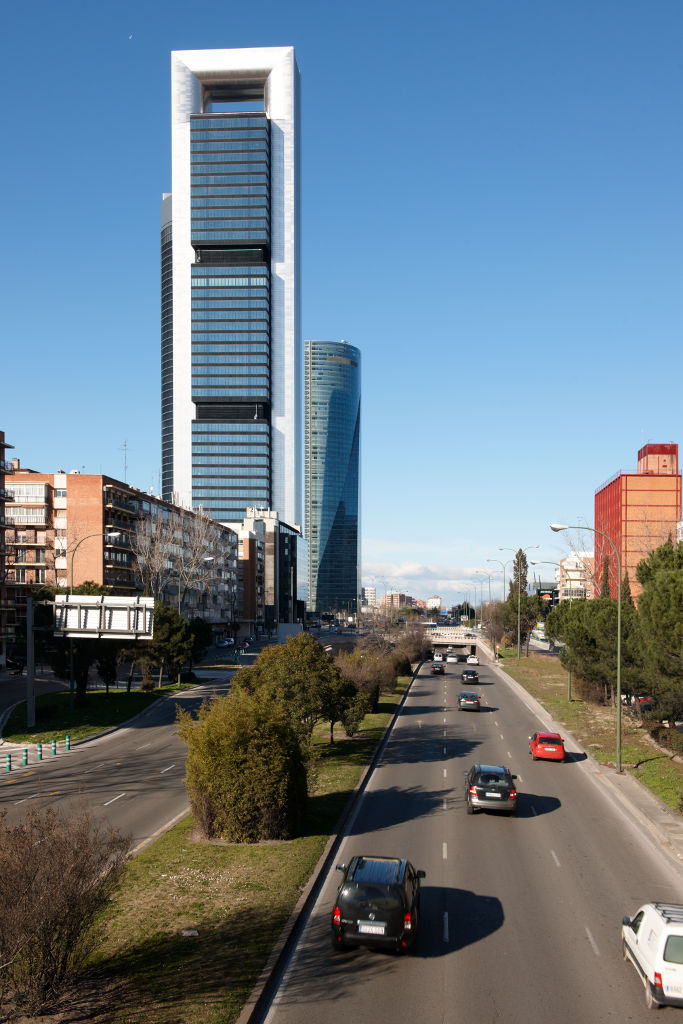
column 490, row 788
column 226, row 642
column 244, row 646
column 378, row 904
column 437, row 668
column 548, row 746
column 469, row 675
column 469, row 701
column 472, row 659
column 653, row 941
column 438, row 656
column 451, row 657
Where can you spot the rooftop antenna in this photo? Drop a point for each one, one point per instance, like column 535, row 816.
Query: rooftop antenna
column 124, row 449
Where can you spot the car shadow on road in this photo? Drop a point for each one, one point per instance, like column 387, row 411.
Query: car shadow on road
column 572, row 756
column 385, row 808
column 532, row 805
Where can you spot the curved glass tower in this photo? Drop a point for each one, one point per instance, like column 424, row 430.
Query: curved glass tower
column 332, row 478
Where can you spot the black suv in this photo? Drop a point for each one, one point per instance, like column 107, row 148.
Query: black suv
column 490, row 787
column 378, row 904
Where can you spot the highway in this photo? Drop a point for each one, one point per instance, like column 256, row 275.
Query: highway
column 134, row 778
column 520, row 917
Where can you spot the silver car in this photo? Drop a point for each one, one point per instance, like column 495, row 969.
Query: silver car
column 490, row 787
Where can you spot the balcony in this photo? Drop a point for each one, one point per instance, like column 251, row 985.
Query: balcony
column 26, row 516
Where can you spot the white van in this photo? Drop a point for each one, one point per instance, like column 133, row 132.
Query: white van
column 438, row 656
column 653, row 941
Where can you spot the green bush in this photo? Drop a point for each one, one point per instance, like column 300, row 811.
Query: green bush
column 355, row 713
column 246, row 774
column 400, row 662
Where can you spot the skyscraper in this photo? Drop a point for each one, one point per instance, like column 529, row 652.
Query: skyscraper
column 231, row 336
column 331, row 471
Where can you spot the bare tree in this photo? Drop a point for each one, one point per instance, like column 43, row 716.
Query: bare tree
column 154, row 545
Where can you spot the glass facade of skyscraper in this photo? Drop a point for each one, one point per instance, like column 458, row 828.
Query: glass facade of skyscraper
column 230, row 293
column 331, row 473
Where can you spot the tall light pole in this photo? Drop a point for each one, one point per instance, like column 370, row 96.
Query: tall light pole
column 108, row 536
column 518, row 559
column 502, row 564
column 556, row 527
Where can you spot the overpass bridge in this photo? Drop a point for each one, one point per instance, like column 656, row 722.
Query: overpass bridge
column 456, row 636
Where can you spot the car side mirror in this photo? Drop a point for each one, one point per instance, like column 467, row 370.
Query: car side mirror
column 465, row 774
column 626, row 921
column 530, row 737
column 341, row 867
column 514, row 776
column 421, row 874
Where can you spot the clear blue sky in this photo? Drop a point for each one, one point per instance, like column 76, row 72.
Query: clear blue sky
column 492, row 213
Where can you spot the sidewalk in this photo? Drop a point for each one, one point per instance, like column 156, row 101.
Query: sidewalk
column 635, row 799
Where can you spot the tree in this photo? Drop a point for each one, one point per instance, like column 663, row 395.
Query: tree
column 57, row 873
column 605, row 590
column 171, row 644
column 202, row 637
column 660, row 609
column 245, row 773
column 293, row 674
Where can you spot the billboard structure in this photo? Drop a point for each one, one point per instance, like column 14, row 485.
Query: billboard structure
column 117, row 618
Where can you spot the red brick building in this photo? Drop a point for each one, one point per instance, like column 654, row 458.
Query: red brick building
column 638, row 512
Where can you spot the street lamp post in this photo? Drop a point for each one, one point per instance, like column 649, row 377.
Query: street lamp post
column 557, row 527
column 109, row 536
column 502, row 564
column 518, row 559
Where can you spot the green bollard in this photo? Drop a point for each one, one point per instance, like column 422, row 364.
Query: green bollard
column 24, row 757
column 68, row 742
column 9, row 762
column 39, row 751
column 54, row 746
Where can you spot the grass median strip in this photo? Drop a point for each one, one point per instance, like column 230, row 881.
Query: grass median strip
column 594, row 726
column 236, row 898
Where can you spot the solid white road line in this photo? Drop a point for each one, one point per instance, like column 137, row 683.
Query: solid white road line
column 143, row 746
column 166, row 769
column 593, row 943
column 113, row 800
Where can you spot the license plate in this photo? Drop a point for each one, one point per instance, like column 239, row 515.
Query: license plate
column 368, row 928
column 495, row 795
column 550, row 750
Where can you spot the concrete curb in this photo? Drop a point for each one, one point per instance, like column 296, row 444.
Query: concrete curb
column 265, row 986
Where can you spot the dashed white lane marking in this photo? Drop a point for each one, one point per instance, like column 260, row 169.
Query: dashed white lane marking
column 166, row 769
column 445, row 804
column 444, row 750
column 533, row 810
column 501, row 736
column 444, row 851
column 555, row 858
column 445, row 773
column 520, row 779
column 143, row 746
column 593, row 943
column 103, row 765
column 509, row 754
column 444, row 934
column 495, row 722
column 113, row 800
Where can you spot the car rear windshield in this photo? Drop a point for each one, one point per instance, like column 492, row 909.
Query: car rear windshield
column 488, row 779
column 550, row 741
column 673, row 951
column 383, row 897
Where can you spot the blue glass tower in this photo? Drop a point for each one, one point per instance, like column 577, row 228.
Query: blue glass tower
column 331, row 472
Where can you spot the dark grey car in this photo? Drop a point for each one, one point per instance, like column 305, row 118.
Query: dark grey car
column 490, row 787
column 378, row 904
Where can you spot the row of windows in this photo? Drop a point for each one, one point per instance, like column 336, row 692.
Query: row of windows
column 219, row 219
column 236, row 167
column 229, row 392
column 236, row 121
column 256, row 289
column 229, row 179
column 229, row 190
column 256, row 272
column 219, row 339
column 225, row 144
column 246, row 494
column 236, row 133
column 231, row 449
column 207, row 320
column 241, row 359
column 217, row 379
column 235, row 460
column 226, row 303
column 213, row 236
column 238, row 200
column 209, row 350
column 228, row 428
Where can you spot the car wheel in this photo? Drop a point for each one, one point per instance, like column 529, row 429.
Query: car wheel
column 470, row 808
column 650, row 1000
column 533, row 756
column 513, row 814
column 338, row 945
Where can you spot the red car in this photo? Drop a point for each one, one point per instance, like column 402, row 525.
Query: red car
column 546, row 745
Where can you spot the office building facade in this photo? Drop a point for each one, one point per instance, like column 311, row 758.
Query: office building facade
column 230, row 332
column 332, row 474
column 638, row 512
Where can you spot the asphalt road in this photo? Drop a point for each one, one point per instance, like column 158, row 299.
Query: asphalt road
column 521, row 916
column 133, row 778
